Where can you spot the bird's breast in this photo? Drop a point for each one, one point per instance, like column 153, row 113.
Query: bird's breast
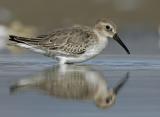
column 97, row 47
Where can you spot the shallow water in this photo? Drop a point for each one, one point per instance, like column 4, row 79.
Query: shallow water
column 138, row 97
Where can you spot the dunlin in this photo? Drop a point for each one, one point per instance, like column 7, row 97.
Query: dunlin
column 74, row 44
column 74, row 83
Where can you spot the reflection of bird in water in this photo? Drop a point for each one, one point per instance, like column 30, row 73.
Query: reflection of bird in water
column 73, row 82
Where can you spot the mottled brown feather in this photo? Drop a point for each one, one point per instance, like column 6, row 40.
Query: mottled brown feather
column 72, row 40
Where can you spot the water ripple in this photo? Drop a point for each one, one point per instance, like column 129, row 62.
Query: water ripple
column 130, row 63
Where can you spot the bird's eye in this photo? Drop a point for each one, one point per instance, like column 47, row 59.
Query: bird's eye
column 108, row 27
column 108, row 100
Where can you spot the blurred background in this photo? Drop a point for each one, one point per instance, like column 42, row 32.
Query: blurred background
column 138, row 21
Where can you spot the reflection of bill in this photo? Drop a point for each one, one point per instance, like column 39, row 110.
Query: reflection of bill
column 73, row 82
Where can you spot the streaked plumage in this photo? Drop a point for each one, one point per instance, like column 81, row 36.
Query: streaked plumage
column 73, row 44
column 72, row 82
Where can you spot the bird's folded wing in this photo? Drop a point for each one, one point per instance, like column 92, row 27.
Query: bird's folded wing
column 69, row 41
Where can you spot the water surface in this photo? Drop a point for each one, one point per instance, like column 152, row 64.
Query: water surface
column 138, row 97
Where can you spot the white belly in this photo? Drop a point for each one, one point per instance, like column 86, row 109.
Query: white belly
column 90, row 53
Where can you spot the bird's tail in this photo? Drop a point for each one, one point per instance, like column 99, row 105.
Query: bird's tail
column 24, row 40
column 19, row 84
column 29, row 43
column 24, row 83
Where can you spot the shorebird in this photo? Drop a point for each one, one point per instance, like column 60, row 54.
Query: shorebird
column 72, row 83
column 74, row 44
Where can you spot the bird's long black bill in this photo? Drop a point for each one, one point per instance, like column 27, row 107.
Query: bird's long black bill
column 116, row 37
column 120, row 84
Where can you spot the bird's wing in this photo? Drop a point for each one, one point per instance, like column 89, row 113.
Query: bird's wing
column 71, row 41
column 42, row 36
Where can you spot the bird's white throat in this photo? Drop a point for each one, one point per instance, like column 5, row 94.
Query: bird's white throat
column 102, row 42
